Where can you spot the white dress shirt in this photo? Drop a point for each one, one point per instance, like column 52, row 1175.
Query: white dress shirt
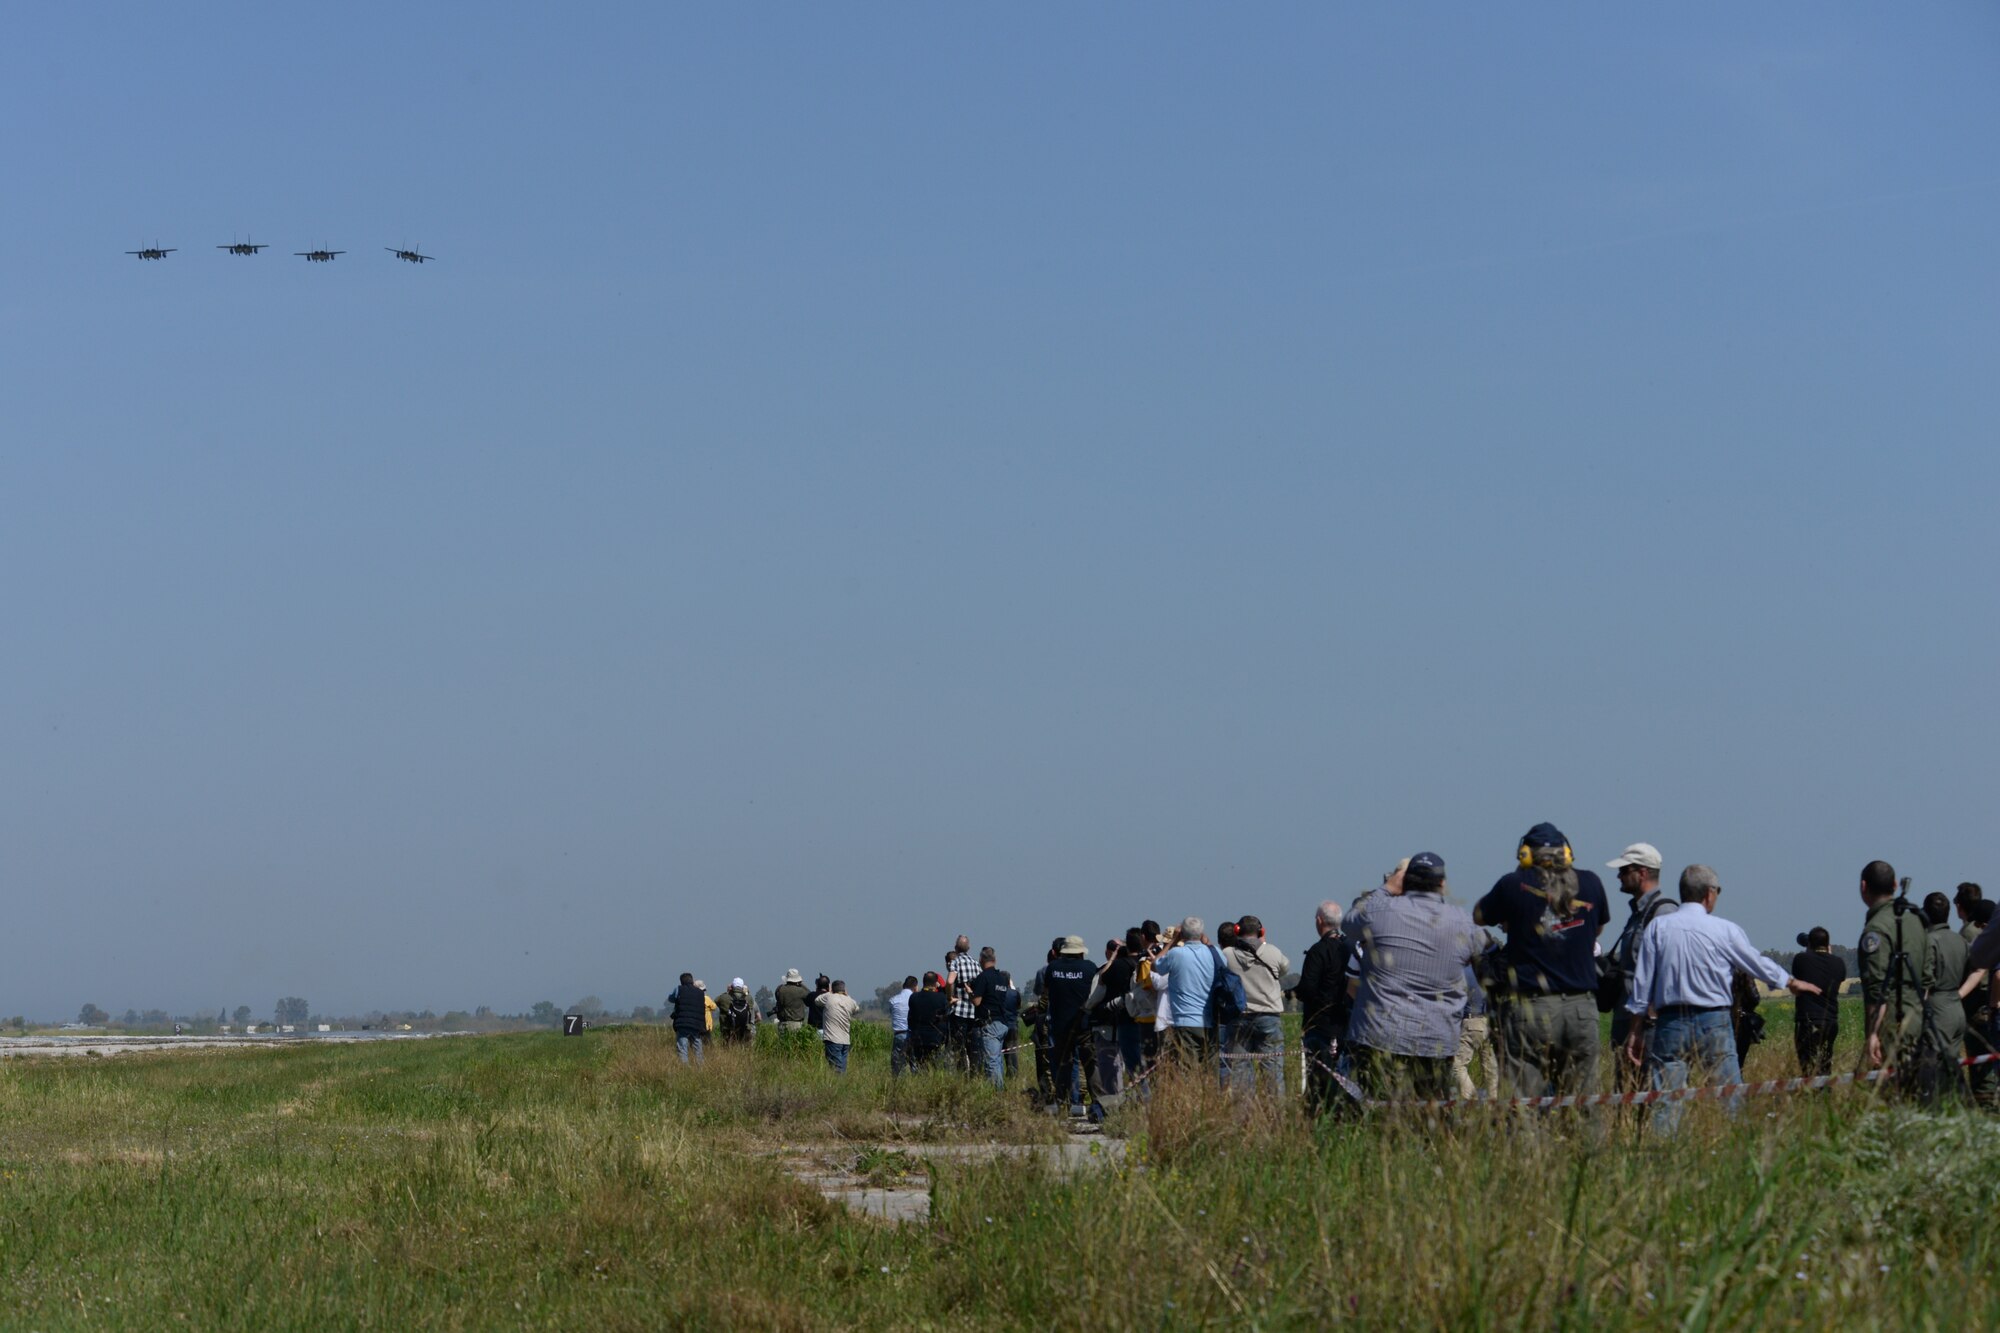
column 1686, row 957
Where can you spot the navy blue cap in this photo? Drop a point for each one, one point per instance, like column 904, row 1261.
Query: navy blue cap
column 1544, row 835
column 1425, row 868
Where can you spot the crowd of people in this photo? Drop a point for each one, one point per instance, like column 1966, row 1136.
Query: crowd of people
column 1407, row 995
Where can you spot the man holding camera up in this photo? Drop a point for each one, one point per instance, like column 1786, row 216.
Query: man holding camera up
column 1415, row 948
column 1260, row 1032
column 1324, row 1004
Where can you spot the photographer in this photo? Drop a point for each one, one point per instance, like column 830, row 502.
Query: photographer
column 1324, row 1004
column 1414, row 948
column 930, row 1022
column 1816, row 1018
column 1139, row 1042
column 1261, row 966
column 1113, row 1032
column 790, row 1006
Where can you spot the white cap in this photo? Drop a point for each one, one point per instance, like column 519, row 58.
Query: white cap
column 736, row 983
column 1638, row 854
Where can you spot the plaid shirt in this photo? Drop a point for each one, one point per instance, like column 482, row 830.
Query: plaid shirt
column 964, row 971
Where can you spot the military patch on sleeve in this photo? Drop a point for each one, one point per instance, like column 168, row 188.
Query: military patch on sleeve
column 1870, row 942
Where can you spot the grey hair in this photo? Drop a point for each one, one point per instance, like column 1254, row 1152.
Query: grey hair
column 1696, row 881
column 1192, row 928
column 1329, row 914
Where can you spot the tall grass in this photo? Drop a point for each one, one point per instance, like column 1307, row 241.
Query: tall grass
column 536, row 1181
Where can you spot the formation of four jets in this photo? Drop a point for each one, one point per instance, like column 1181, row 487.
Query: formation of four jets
column 310, row 256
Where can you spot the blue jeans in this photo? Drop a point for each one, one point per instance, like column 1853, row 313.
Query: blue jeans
column 1104, row 1052
column 685, row 1040
column 836, row 1055
column 1261, row 1035
column 899, row 1053
column 993, row 1039
column 1701, row 1042
column 1132, row 1048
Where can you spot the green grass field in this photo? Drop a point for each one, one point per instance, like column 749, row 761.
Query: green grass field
column 537, row 1181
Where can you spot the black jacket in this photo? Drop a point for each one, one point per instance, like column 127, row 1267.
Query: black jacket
column 930, row 1011
column 1322, row 992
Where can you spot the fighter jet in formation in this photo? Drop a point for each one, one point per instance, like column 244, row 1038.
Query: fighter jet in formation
column 316, row 256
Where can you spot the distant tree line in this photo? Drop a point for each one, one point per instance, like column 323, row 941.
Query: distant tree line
column 296, row 1012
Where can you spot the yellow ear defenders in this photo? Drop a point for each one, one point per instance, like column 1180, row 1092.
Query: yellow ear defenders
column 1526, row 856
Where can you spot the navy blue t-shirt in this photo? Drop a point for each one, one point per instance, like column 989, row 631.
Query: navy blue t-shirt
column 1545, row 954
column 988, row 988
column 1066, row 984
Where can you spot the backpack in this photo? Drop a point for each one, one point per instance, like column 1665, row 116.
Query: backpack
column 736, row 1017
column 1225, row 992
column 1614, row 981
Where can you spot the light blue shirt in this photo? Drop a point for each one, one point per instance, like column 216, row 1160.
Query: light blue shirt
column 899, row 1010
column 1686, row 957
column 1190, row 972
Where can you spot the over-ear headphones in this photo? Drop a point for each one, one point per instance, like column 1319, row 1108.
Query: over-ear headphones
column 1526, row 856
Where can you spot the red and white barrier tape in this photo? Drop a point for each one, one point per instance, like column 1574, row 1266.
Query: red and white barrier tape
column 1649, row 1096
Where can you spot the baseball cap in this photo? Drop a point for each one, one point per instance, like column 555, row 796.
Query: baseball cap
column 1424, row 868
column 1638, row 854
column 1072, row 944
column 736, row 983
column 1545, row 835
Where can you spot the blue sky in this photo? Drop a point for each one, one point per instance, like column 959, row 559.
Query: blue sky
column 856, row 476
